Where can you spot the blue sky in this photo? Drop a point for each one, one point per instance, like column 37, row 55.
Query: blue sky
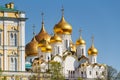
column 100, row 18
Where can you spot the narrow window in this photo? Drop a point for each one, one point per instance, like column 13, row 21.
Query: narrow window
column 82, row 51
column 96, row 73
column 58, row 49
column 15, row 40
column 90, row 72
column 15, row 64
column 94, row 60
column 11, row 60
column 73, row 73
column 66, row 43
column 11, row 39
column 82, row 73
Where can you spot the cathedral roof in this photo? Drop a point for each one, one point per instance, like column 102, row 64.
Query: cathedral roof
column 83, row 57
column 63, row 27
column 92, row 50
column 55, row 39
column 31, row 49
column 42, row 34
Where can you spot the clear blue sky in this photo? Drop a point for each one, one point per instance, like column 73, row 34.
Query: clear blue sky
column 100, row 18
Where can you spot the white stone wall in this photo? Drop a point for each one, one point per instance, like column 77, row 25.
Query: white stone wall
column 79, row 50
column 92, row 59
column 55, row 47
column 66, row 44
column 69, row 65
column 91, row 71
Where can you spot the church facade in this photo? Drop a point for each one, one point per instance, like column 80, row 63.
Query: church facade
column 18, row 59
column 12, row 38
column 59, row 47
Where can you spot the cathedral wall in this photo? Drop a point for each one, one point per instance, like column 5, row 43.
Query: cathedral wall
column 1, row 14
column 69, row 65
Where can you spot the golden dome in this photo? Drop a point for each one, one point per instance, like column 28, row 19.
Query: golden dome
column 55, row 38
column 63, row 27
column 31, row 48
column 45, row 47
column 42, row 34
column 92, row 50
column 80, row 41
column 42, row 42
column 73, row 47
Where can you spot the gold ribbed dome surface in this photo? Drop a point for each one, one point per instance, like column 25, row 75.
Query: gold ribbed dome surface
column 92, row 51
column 55, row 39
column 80, row 41
column 42, row 42
column 63, row 27
column 73, row 47
column 46, row 47
column 42, row 34
column 31, row 48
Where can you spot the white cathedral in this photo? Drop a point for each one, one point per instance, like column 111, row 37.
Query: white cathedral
column 60, row 47
column 15, row 57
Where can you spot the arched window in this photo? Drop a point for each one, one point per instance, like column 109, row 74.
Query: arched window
column 96, row 73
column 82, row 73
column 11, row 64
column 15, row 39
column 90, row 72
column 58, row 50
column 82, row 51
column 15, row 64
column 94, row 60
column 11, row 39
column 11, row 60
column 67, row 44
column 11, row 35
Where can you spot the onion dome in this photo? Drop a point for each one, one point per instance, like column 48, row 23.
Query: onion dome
column 80, row 41
column 31, row 48
column 92, row 50
column 42, row 42
column 73, row 47
column 62, row 27
column 55, row 39
column 43, row 33
column 46, row 47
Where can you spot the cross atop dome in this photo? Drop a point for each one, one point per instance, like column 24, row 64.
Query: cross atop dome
column 80, row 31
column 33, row 29
column 92, row 38
column 42, row 14
column 62, row 10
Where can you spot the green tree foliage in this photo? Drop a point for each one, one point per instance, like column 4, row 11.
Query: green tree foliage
column 32, row 77
column 56, row 71
column 80, row 78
